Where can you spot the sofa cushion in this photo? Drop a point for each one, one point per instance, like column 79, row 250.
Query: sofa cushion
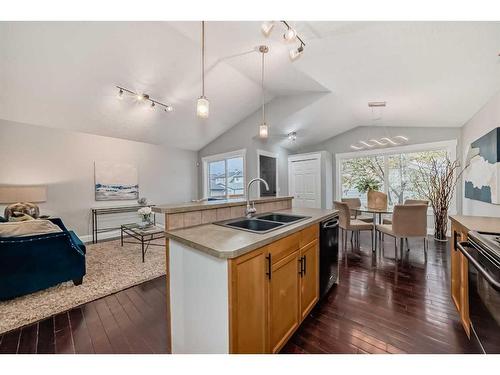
column 28, row 228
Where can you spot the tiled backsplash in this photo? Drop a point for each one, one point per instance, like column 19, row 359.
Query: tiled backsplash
column 194, row 218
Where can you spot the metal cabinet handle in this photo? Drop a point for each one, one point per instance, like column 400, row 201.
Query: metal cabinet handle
column 494, row 283
column 305, row 264
column 301, row 263
column 269, row 270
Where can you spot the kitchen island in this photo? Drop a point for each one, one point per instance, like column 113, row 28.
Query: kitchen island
column 234, row 291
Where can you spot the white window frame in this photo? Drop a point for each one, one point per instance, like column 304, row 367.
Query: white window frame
column 219, row 157
column 270, row 155
column 450, row 146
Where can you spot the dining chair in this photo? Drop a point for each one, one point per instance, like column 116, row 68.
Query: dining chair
column 409, row 221
column 347, row 224
column 377, row 199
column 354, row 203
column 408, row 201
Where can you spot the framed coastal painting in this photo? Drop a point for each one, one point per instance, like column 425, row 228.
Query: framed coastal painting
column 482, row 176
column 115, row 181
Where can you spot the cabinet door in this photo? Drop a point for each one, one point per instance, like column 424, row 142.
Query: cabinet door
column 309, row 282
column 248, row 285
column 455, row 267
column 283, row 300
column 460, row 277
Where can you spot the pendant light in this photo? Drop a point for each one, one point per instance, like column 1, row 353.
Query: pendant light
column 263, row 127
column 202, row 105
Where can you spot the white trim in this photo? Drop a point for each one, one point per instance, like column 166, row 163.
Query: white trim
column 449, row 145
column 270, row 155
column 307, row 156
column 224, row 156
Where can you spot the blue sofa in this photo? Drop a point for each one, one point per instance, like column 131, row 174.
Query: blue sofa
column 29, row 264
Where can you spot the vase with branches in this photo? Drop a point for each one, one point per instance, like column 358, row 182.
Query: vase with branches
column 436, row 181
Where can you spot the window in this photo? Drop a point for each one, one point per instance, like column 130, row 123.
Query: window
column 395, row 171
column 224, row 175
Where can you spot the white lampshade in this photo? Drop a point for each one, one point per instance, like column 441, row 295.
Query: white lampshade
column 23, row 193
column 202, row 107
column 263, row 130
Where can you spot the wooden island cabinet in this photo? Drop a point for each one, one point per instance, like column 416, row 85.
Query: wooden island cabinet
column 272, row 290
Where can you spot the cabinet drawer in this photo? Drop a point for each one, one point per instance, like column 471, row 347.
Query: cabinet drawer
column 308, row 235
column 281, row 248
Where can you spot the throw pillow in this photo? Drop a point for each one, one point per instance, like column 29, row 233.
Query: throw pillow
column 28, row 228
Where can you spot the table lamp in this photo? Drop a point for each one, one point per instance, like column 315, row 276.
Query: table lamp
column 22, row 198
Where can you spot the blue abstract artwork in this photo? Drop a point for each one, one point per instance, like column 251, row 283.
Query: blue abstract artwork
column 115, row 181
column 482, row 176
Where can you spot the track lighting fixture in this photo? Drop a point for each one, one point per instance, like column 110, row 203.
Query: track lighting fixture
column 290, row 35
column 143, row 98
column 296, row 53
column 202, row 104
column 267, row 27
column 292, row 136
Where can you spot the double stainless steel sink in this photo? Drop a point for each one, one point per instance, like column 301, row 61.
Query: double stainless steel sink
column 262, row 223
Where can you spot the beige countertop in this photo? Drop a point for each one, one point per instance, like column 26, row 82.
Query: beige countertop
column 206, row 205
column 226, row 243
column 478, row 223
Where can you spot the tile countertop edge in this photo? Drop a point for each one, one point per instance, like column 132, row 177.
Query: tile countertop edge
column 253, row 246
column 206, row 205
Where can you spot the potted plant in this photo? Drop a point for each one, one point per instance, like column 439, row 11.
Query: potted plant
column 436, row 182
column 366, row 184
column 145, row 213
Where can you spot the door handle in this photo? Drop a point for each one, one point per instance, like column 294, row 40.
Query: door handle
column 269, row 270
column 494, row 283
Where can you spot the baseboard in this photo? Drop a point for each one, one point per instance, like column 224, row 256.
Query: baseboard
column 111, row 235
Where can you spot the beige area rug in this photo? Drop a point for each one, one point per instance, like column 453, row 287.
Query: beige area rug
column 110, row 268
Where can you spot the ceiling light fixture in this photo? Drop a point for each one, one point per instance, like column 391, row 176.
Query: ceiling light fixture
column 143, row 98
column 296, row 53
column 263, row 127
column 292, row 136
column 381, row 142
column 202, row 105
column 267, row 27
column 290, row 35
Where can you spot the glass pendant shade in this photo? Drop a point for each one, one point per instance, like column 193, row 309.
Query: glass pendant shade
column 202, row 107
column 263, row 130
column 290, row 35
column 266, row 28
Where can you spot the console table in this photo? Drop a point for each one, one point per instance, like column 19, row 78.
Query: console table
column 109, row 210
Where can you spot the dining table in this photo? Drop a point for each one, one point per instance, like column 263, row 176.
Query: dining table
column 377, row 213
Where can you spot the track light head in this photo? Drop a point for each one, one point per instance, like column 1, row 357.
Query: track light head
column 296, row 53
column 290, row 34
column 292, row 136
column 169, row 108
column 120, row 94
column 266, row 28
column 152, row 104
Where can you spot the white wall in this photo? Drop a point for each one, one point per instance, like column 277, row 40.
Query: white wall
column 64, row 161
column 481, row 123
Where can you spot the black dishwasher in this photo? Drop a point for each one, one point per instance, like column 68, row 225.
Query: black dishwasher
column 328, row 255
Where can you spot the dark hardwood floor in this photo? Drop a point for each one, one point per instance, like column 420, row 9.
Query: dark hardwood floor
column 375, row 309
column 372, row 310
column 131, row 321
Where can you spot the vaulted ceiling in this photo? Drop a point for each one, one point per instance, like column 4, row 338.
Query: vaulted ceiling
column 63, row 74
